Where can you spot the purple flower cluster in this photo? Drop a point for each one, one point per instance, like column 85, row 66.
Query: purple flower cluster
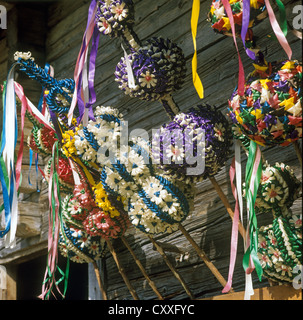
column 201, row 132
column 158, row 68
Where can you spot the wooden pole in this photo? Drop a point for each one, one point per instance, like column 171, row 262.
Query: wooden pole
column 172, row 268
column 99, row 280
column 204, row 257
column 121, row 270
column 298, row 151
column 139, row 264
column 227, row 205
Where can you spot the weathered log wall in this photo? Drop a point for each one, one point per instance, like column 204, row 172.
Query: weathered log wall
column 209, row 224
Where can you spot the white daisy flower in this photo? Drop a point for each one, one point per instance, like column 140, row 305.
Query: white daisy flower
column 147, row 79
column 272, row 193
column 264, row 260
column 176, row 153
column 219, row 131
column 104, row 26
column 119, row 11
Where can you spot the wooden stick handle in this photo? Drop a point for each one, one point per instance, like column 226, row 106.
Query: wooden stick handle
column 172, row 268
column 203, row 256
column 139, row 264
column 99, row 281
column 298, row 151
column 227, row 205
column 121, row 270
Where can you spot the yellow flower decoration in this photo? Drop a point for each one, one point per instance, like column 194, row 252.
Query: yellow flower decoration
column 103, row 202
column 68, row 142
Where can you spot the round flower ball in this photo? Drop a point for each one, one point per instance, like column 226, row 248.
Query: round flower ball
column 280, row 247
column 114, row 16
column 219, row 20
column 158, row 68
column 194, row 145
column 278, row 188
column 79, row 246
column 270, row 111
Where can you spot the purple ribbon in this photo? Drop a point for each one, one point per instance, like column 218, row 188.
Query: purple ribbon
column 92, row 66
column 245, row 24
column 91, row 78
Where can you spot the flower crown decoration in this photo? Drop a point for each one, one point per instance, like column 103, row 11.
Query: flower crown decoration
column 278, row 188
column 280, row 247
column 270, row 111
column 97, row 215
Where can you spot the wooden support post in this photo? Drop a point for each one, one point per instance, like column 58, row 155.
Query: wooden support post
column 227, row 205
column 96, row 269
column 204, row 257
column 172, row 268
column 121, row 270
column 139, row 264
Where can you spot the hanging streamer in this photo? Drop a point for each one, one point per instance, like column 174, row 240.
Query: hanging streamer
column 234, row 234
column 55, row 223
column 245, row 24
column 277, row 30
column 282, row 17
column 78, row 96
column 252, row 180
column 7, row 154
column 194, row 25
column 241, row 78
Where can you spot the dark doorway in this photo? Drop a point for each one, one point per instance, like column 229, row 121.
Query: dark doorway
column 30, row 276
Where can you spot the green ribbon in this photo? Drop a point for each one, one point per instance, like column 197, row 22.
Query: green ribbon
column 282, row 20
column 282, row 16
column 252, row 250
column 55, row 182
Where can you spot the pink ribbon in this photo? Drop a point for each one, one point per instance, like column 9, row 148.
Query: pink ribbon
column 277, row 30
column 235, row 227
column 25, row 106
column 241, row 79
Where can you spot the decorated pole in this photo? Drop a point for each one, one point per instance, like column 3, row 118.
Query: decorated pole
column 171, row 267
column 121, row 270
column 204, row 257
column 139, row 264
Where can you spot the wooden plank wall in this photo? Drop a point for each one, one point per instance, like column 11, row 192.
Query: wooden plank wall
column 209, row 223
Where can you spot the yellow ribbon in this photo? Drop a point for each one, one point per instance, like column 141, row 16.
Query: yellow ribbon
column 194, row 24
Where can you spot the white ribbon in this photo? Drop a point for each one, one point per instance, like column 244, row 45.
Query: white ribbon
column 130, row 75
